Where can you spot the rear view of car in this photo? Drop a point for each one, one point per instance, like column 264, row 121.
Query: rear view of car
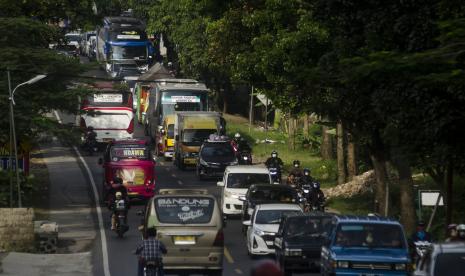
column 190, row 224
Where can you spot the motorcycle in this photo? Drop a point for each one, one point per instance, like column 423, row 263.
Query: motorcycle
column 90, row 144
column 121, row 226
column 421, row 248
column 275, row 175
column 245, row 158
column 151, row 268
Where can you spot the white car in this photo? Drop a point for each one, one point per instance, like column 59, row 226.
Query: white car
column 236, row 180
column 263, row 226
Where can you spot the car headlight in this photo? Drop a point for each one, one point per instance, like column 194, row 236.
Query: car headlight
column 258, row 232
column 342, row 264
column 143, row 68
column 293, row 252
column 401, row 266
column 203, row 163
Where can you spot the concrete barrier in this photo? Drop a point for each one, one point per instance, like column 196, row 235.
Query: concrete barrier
column 16, row 229
column 46, row 235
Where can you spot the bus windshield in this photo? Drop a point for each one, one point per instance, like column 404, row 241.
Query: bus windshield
column 172, row 101
column 129, row 52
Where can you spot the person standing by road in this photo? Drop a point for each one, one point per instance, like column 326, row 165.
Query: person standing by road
column 151, row 250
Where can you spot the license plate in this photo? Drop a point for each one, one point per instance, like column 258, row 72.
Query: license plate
column 269, row 243
column 190, row 161
column 132, row 194
column 184, row 240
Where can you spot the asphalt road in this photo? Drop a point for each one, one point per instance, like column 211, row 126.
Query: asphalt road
column 122, row 261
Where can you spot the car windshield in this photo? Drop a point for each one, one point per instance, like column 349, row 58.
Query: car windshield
column 373, row 235
column 308, row 226
column 129, row 52
column 73, row 37
column 272, row 216
column 217, row 150
column 184, row 209
column 170, row 132
column 173, row 101
column 272, row 194
column 196, row 135
column 450, row 264
column 244, row 180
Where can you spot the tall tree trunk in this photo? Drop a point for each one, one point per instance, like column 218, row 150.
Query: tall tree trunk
column 291, row 134
column 306, row 125
column 341, row 169
column 351, row 161
column 381, row 190
column 326, row 145
column 407, row 210
column 449, row 190
column 224, row 95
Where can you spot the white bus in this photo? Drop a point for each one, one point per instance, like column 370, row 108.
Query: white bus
column 109, row 111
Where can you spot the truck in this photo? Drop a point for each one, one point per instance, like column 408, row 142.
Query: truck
column 191, row 129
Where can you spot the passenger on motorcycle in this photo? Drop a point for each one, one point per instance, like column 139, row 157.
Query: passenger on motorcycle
column 239, row 144
column 295, row 175
column 90, row 134
column 118, row 195
column 421, row 234
column 151, row 250
column 452, row 233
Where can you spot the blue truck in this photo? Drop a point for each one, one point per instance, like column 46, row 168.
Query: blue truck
column 365, row 246
column 123, row 47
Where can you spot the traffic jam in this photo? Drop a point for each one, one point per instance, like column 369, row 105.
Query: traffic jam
column 283, row 216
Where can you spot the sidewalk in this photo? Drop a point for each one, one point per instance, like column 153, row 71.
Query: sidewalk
column 71, row 207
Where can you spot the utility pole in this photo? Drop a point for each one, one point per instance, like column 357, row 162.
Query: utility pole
column 11, row 141
column 251, row 110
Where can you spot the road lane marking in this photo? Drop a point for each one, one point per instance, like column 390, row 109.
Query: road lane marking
column 180, row 182
column 173, row 175
column 103, row 237
column 228, row 256
column 238, row 271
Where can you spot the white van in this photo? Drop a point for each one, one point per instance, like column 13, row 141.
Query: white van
column 236, row 182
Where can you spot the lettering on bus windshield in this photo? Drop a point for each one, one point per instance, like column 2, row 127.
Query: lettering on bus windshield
column 128, row 35
column 108, row 98
column 129, row 153
column 180, row 99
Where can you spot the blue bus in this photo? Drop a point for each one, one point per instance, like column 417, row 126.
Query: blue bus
column 123, row 47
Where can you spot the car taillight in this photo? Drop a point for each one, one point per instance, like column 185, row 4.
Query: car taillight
column 219, row 240
column 130, row 101
column 130, row 129
column 82, row 124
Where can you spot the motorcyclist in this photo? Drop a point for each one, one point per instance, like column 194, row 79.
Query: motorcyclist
column 274, row 162
column 452, row 233
column 461, row 232
column 306, row 178
column 151, row 249
column 117, row 193
column 317, row 197
column 90, row 134
column 240, row 144
column 295, row 174
column 421, row 234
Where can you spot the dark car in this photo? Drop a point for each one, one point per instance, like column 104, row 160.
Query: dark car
column 214, row 157
column 266, row 193
column 443, row 259
column 69, row 50
column 299, row 240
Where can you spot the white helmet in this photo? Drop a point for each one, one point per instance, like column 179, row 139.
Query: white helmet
column 118, row 195
column 237, row 135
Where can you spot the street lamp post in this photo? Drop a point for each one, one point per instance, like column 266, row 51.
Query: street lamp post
column 13, row 134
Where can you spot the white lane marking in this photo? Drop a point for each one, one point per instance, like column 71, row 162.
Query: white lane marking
column 238, row 271
column 173, row 175
column 103, row 237
column 180, row 182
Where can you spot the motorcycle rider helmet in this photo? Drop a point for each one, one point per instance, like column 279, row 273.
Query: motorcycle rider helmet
column 90, row 128
column 316, row 185
column 306, row 171
column 461, row 231
column 118, row 195
column 296, row 163
column 274, row 154
column 452, row 226
column 237, row 135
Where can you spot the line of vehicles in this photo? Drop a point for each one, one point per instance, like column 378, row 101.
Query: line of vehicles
column 176, row 117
